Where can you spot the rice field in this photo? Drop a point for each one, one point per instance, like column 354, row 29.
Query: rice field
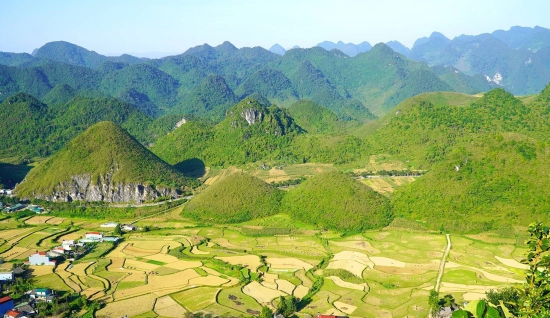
column 227, row 270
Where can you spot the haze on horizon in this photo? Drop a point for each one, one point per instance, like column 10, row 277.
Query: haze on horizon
column 146, row 28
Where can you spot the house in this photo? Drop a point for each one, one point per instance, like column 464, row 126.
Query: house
column 6, row 303
column 42, row 294
column 37, row 209
column 57, row 251
column 67, row 245
column 40, row 258
column 6, row 192
column 111, row 239
column 447, row 312
column 14, row 208
column 18, row 271
column 14, row 314
column 6, row 276
column 109, row 224
column 96, row 236
column 128, row 227
column 26, row 308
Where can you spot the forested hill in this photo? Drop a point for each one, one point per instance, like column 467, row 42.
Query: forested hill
column 102, row 163
column 485, row 157
column 30, row 128
column 205, row 81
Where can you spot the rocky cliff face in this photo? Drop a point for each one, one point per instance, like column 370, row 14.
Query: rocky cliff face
column 82, row 188
column 251, row 115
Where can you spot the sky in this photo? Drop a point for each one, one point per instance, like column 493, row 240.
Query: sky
column 170, row 27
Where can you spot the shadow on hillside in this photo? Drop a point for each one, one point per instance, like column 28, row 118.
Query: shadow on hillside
column 11, row 174
column 193, row 168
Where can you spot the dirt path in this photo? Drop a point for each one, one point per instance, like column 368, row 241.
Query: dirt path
column 442, row 265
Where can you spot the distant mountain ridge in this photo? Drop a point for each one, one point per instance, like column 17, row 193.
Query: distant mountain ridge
column 205, row 81
column 353, row 81
column 349, row 49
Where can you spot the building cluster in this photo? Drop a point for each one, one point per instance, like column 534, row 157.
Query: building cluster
column 97, row 237
column 123, row 227
column 43, row 258
column 19, row 207
column 8, row 309
column 7, row 192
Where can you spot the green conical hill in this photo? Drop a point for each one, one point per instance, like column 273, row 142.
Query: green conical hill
column 250, row 132
column 235, row 198
column 106, row 153
column 333, row 200
column 491, row 182
column 425, row 128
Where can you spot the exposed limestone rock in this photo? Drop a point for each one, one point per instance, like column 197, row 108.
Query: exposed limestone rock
column 81, row 188
column 180, row 123
column 251, row 115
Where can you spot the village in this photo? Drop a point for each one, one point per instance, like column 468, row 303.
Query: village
column 27, row 305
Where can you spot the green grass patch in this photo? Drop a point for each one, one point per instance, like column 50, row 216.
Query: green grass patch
column 52, row 281
column 344, row 275
column 126, row 285
column 152, row 261
column 200, row 271
column 234, row 298
column 149, row 314
column 196, row 298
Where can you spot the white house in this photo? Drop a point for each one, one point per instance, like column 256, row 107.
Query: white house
column 40, row 258
column 42, row 294
column 6, row 276
column 68, row 245
column 128, row 227
column 57, row 251
column 97, row 236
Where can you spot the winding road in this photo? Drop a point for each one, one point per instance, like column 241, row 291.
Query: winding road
column 443, row 261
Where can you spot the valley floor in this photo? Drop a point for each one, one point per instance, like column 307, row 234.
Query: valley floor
column 177, row 266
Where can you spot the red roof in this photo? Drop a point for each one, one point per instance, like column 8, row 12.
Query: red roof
column 97, row 233
column 5, row 299
column 41, row 253
column 13, row 313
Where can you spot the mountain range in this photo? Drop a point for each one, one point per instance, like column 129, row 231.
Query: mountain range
column 204, row 81
column 124, row 129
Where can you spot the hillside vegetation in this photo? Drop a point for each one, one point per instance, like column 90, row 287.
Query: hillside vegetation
column 333, row 200
column 235, row 198
column 30, row 128
column 103, row 151
column 206, row 81
column 250, row 132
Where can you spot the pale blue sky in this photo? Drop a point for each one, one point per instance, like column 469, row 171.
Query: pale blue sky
column 117, row 26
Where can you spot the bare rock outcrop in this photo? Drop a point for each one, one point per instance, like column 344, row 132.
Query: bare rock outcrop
column 83, row 188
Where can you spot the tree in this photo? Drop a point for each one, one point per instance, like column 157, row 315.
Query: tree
column 535, row 295
column 447, row 301
column 266, row 313
column 482, row 311
column 117, row 230
column 286, row 306
column 434, row 303
column 508, row 297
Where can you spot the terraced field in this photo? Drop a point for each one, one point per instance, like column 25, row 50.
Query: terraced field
column 234, row 270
